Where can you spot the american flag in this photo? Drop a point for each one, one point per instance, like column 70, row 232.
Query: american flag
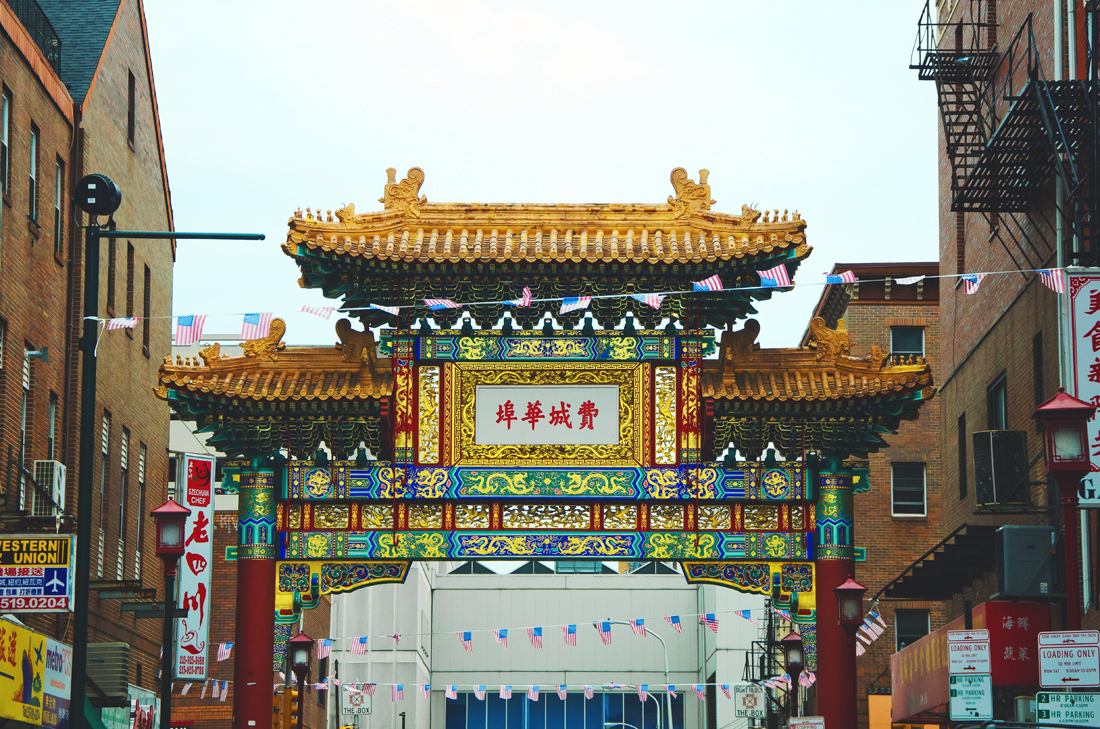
column 502, row 637
column 872, row 628
column 217, row 692
column 189, row 328
column 698, row 689
column 971, row 282
column 604, row 629
column 324, row 647
column 186, row 688
column 1052, row 278
column 726, row 690
column 337, row 682
column 223, row 650
column 533, row 693
column 589, row 692
column 396, row 638
column 397, row 692
column 837, row 278
column 860, row 650
column 674, row 621
column 806, row 679
column 368, row 688
column 671, row 689
column 505, row 692
column 569, row 635
column 710, row 621
column 256, row 326
column 909, row 280
column 437, row 304
column 708, row 284
column 467, row 640
column 643, row 691
column 561, row 691
column 225, row 690
column 535, row 636
column 452, row 691
column 479, row 692
column 653, row 300
column 393, row 310
column 325, row 312
column 785, row 614
column 775, row 277
column 128, row 323
column 203, row 694
column 321, row 686
column 638, row 626
column 879, row 619
column 359, row 646
column 524, row 300
column 746, row 614
column 863, row 630
column 572, row 303
column 426, row 690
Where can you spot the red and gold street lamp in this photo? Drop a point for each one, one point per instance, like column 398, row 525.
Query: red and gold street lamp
column 849, row 611
column 1065, row 421
column 171, row 519
column 300, row 646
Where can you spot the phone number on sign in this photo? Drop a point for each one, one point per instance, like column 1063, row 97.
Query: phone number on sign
column 34, row 603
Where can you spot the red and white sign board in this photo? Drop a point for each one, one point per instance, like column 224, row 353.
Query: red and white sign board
column 195, row 490
column 968, row 652
column 1069, row 659
column 807, row 722
column 1084, row 315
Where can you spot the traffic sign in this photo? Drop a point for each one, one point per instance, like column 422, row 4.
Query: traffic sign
column 968, row 652
column 806, row 722
column 971, row 697
column 1069, row 659
column 1071, row 709
column 356, row 703
column 749, row 701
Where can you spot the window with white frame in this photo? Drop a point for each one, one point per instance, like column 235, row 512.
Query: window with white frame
column 5, row 140
column 140, row 511
column 907, row 341
column 24, row 425
column 104, row 472
column 908, row 489
column 58, row 197
column 123, row 496
column 32, row 191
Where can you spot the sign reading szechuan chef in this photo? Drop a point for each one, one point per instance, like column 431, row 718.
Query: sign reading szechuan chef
column 547, row 415
column 36, row 573
column 193, row 631
column 1084, row 313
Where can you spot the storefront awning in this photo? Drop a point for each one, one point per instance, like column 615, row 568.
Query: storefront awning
column 959, row 559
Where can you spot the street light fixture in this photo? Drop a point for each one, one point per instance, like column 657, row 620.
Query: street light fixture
column 1065, row 421
column 300, row 647
column 171, row 519
column 849, row 604
column 792, row 654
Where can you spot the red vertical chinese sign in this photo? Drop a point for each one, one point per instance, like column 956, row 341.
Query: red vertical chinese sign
column 193, row 631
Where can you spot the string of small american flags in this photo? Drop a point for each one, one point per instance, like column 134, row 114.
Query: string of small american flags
column 256, row 325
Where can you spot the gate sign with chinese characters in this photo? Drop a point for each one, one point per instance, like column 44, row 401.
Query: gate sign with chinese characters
column 1084, row 293
column 551, row 415
column 193, row 631
column 36, row 573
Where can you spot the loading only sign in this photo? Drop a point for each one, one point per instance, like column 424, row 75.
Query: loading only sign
column 1069, row 659
column 968, row 652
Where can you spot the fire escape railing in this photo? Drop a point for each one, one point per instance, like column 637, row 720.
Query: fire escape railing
column 40, row 28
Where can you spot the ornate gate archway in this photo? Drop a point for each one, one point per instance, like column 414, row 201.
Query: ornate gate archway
column 520, row 440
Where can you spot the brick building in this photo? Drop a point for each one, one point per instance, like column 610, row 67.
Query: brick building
column 77, row 97
column 899, row 499
column 999, row 352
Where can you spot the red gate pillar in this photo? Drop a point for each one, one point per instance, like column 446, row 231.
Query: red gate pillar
column 255, row 636
column 835, row 559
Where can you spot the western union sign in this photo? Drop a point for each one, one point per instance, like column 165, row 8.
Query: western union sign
column 40, row 551
column 36, row 573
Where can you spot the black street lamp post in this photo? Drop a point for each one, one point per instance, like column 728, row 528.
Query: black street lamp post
column 171, row 521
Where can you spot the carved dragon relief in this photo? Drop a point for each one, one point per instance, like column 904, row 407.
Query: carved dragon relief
column 691, row 197
column 829, row 343
column 356, row 346
column 402, row 196
column 266, row 349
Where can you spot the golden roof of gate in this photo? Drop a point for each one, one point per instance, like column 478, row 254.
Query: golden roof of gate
column 683, row 230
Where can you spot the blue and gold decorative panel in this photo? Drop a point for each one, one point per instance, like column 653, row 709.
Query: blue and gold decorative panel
column 282, row 636
column 741, row 576
column 532, row 347
column 706, row 481
column 337, row 576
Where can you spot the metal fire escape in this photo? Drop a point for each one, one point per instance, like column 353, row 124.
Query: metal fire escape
column 1009, row 130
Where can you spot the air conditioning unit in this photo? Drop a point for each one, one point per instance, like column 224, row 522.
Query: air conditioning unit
column 50, row 477
column 108, row 674
column 1024, row 561
column 1000, row 467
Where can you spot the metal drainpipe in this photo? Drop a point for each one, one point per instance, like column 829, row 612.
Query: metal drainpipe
column 1059, row 202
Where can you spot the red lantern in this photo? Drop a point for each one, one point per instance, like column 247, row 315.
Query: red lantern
column 1065, row 421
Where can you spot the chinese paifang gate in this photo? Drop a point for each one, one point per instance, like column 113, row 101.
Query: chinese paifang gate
column 438, row 450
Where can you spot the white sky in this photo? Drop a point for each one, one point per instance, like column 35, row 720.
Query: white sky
column 801, row 104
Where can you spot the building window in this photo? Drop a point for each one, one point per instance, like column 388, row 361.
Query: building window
column 123, row 496
column 568, row 567
column 140, row 511
column 129, row 280
column 960, row 243
column 58, row 206
column 997, row 404
column 32, row 193
column 51, row 440
column 104, row 473
column 3, row 331
column 322, row 670
column 907, row 341
column 131, row 109
column 24, row 424
column 146, row 310
column 910, row 626
column 5, row 139
column 111, row 276
column 962, row 456
column 907, row 486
